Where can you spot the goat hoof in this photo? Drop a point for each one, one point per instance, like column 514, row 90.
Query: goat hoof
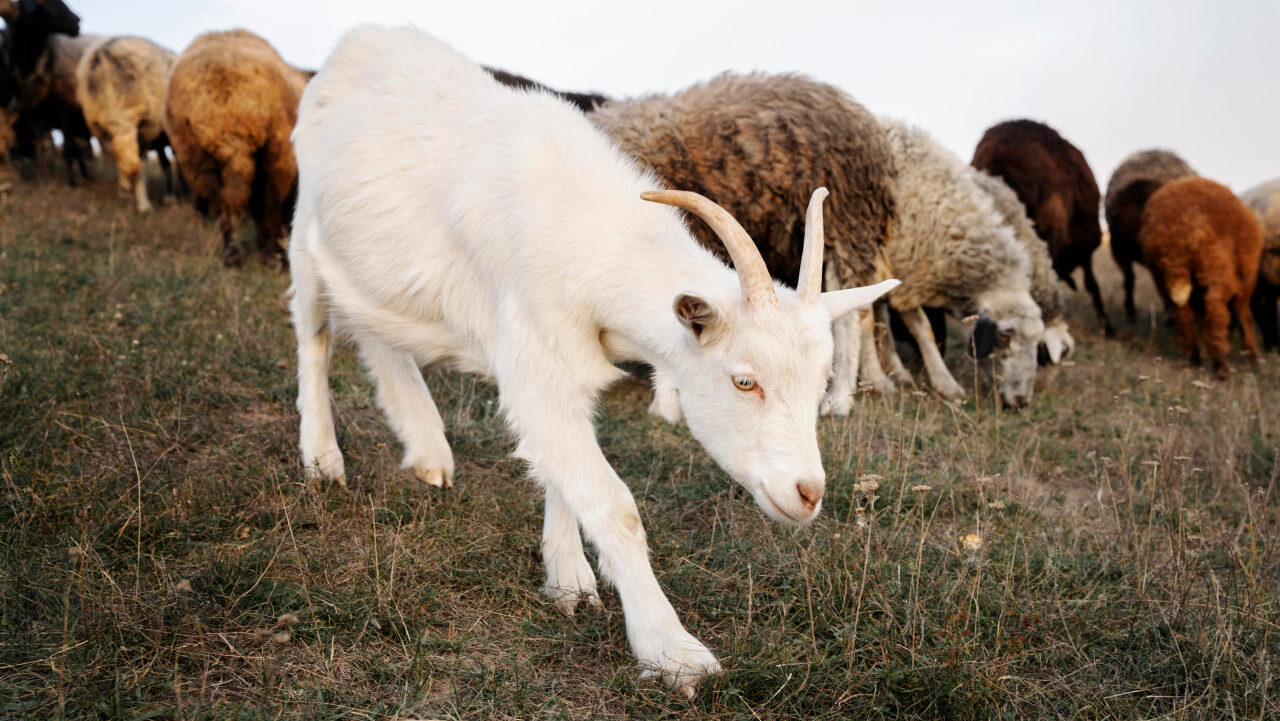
column 837, row 404
column 314, row 475
column 680, row 661
column 570, row 580
column 435, row 477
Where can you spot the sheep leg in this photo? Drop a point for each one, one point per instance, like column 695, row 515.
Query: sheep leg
column 553, row 417
column 167, row 168
column 1091, row 285
column 939, row 376
column 405, row 399
column 847, row 342
column 1244, row 316
column 1126, row 268
column 1184, row 323
column 317, row 439
column 1215, row 326
column 569, row 575
column 1263, row 305
column 124, row 148
column 233, row 197
column 897, row 371
column 846, row 337
column 872, row 371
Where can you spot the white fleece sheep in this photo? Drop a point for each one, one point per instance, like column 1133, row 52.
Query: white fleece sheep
column 953, row 250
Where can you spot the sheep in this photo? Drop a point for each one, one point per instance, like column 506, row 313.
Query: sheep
column 120, row 87
column 1265, row 201
column 586, row 102
column 444, row 232
column 1046, row 289
column 954, row 250
column 1132, row 183
column 1053, row 180
column 1202, row 245
column 44, row 45
column 231, row 104
column 756, row 143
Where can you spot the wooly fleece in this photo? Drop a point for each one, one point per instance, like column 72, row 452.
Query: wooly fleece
column 232, row 104
column 759, row 145
column 1202, row 245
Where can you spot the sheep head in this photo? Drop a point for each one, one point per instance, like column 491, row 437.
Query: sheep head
column 756, row 363
column 1008, row 335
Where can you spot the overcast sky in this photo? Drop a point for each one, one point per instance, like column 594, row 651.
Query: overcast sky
column 1113, row 76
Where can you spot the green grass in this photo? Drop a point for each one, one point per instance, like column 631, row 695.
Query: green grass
column 154, row 525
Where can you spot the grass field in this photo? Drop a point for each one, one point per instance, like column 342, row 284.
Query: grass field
column 1122, row 559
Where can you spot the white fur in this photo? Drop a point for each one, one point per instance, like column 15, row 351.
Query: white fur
column 444, row 218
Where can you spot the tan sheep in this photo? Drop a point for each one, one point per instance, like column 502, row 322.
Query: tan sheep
column 120, row 85
column 231, row 107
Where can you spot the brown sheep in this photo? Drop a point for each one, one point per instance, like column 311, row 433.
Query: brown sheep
column 1265, row 201
column 1051, row 178
column 1132, row 183
column 231, row 106
column 42, row 46
column 759, row 145
column 120, row 86
column 1202, row 245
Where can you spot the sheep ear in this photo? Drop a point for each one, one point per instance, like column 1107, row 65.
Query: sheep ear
column 842, row 302
column 699, row 316
column 983, row 339
column 1056, row 344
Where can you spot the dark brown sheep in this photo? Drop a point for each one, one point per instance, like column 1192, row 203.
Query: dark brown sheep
column 1051, row 178
column 42, row 47
column 1202, row 245
column 759, row 145
column 1132, row 183
column 232, row 103
column 1265, row 201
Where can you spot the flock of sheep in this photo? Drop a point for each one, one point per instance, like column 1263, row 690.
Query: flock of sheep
column 445, row 230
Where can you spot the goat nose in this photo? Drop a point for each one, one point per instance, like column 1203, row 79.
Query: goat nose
column 810, row 493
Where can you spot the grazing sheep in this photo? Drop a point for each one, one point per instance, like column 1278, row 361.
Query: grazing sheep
column 1202, row 245
column 1265, row 201
column 231, row 105
column 586, row 102
column 1053, row 181
column 445, row 231
column 120, row 87
column 758, row 144
column 44, row 44
column 1132, row 183
column 955, row 251
column 1046, row 288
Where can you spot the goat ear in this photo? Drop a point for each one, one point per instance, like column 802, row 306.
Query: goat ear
column 983, row 339
column 842, row 302
column 698, row 315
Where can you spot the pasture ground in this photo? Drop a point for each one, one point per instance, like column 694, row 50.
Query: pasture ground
column 154, row 525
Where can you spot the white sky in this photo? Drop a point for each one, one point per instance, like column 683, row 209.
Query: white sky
column 1114, row 76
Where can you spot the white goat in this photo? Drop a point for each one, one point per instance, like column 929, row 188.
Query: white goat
column 445, row 218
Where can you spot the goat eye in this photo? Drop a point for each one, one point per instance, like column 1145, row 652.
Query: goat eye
column 744, row 383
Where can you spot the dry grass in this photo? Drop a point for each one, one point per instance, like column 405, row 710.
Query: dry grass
column 1110, row 552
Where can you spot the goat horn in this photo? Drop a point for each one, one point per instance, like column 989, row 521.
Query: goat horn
column 757, row 285
column 809, row 285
